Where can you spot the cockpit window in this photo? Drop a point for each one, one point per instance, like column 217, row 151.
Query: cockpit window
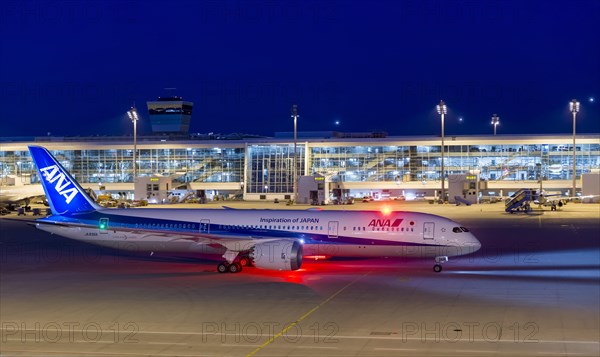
column 456, row 230
column 464, row 229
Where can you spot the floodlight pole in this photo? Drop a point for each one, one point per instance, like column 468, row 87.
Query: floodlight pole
column 442, row 110
column 295, row 116
column 133, row 116
column 574, row 107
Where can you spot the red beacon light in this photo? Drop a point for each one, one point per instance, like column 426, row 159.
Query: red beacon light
column 385, row 210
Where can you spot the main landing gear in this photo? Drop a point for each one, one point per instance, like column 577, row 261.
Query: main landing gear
column 438, row 263
column 225, row 267
column 236, row 266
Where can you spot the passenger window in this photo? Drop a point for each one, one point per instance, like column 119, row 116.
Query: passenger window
column 456, row 230
column 464, row 229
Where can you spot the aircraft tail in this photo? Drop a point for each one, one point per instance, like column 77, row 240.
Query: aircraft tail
column 64, row 194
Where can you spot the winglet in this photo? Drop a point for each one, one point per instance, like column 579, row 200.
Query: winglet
column 64, row 194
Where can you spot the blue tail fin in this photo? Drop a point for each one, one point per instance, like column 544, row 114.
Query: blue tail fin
column 64, row 194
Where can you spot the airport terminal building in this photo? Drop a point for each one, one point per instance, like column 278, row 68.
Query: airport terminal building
column 357, row 165
column 342, row 164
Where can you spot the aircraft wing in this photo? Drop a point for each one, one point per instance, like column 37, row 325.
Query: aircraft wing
column 232, row 242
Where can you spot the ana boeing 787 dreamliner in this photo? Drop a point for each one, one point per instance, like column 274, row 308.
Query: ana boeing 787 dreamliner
column 267, row 239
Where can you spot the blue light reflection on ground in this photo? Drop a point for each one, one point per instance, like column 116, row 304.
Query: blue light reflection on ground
column 572, row 273
column 558, row 279
column 580, row 263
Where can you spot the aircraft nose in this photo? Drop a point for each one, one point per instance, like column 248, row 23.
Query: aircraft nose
column 474, row 245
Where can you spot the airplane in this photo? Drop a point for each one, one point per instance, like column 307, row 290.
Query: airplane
column 267, row 239
column 553, row 201
column 14, row 196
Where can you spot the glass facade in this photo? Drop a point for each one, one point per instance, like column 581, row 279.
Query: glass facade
column 267, row 166
column 116, row 165
column 271, row 168
column 362, row 163
column 370, row 163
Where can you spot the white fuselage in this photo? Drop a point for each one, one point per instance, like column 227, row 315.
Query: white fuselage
column 329, row 233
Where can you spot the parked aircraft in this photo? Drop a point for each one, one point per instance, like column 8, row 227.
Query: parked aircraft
column 12, row 197
column 553, row 201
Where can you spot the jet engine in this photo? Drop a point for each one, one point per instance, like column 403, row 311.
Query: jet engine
column 277, row 255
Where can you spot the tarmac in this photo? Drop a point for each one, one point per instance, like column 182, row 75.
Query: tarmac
column 532, row 290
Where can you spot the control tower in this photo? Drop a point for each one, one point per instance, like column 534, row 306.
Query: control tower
column 170, row 115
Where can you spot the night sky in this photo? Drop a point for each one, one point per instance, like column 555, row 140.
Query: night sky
column 75, row 67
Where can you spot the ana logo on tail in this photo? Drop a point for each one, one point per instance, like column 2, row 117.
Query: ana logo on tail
column 52, row 174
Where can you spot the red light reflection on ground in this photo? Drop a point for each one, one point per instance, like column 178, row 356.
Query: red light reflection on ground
column 315, row 257
column 180, row 272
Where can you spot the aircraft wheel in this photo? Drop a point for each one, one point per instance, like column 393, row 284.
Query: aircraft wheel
column 235, row 268
column 223, row 267
column 437, row 268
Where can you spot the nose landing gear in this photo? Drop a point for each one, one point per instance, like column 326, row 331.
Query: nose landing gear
column 438, row 263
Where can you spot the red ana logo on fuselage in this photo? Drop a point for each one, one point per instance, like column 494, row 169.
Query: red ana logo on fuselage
column 385, row 222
